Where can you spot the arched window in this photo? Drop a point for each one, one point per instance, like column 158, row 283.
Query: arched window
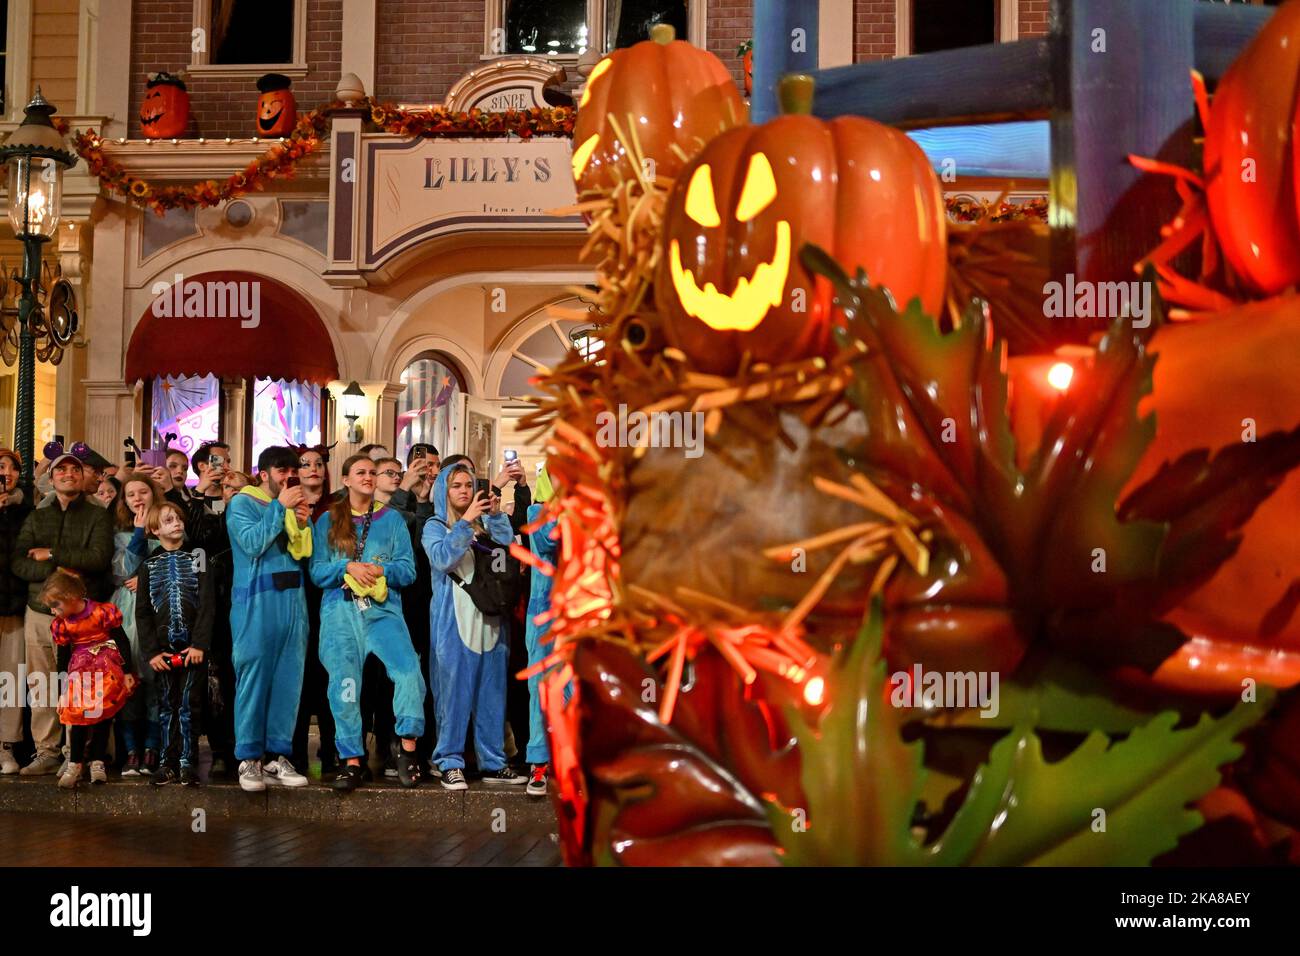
column 427, row 407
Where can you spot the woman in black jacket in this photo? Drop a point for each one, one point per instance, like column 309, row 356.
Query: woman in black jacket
column 13, row 602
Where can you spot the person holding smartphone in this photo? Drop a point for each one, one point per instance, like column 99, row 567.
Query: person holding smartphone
column 470, row 648
column 270, row 535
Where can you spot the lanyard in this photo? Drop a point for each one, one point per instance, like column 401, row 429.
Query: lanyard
column 365, row 532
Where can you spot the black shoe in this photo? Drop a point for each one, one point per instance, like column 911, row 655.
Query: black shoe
column 189, row 777
column 163, row 776
column 408, row 767
column 347, row 779
column 507, row 776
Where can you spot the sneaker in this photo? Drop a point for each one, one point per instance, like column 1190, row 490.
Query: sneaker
column 280, row 771
column 537, row 781
column 390, row 768
column 435, row 771
column 506, row 776
column 98, row 773
column 408, row 767
column 150, row 765
column 454, row 779
column 8, row 764
column 250, row 776
column 189, row 777
column 219, row 767
column 70, row 776
column 347, row 778
column 41, row 765
column 164, row 776
column 132, row 766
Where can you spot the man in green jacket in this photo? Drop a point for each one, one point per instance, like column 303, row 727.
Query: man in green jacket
column 75, row 534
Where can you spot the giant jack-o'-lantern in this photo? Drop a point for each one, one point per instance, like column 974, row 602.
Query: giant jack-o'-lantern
column 730, row 280
column 165, row 112
column 277, row 113
column 662, row 91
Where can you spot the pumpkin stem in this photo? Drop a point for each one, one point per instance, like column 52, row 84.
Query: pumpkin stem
column 796, row 94
column 663, row 33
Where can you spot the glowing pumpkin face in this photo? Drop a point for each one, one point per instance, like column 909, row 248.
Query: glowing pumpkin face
column 730, row 280
column 277, row 113
column 664, row 92
column 165, row 112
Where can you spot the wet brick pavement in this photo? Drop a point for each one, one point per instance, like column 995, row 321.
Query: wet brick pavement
column 61, row 839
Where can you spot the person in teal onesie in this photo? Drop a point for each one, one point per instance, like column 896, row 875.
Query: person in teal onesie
column 270, row 534
column 361, row 559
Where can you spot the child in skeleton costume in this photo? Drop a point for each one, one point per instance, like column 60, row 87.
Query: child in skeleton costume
column 173, row 613
column 270, row 535
column 469, row 649
column 361, row 559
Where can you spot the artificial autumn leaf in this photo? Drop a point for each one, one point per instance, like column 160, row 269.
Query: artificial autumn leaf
column 863, row 785
column 685, row 794
column 1090, row 580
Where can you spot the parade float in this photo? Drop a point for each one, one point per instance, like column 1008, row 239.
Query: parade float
column 938, row 587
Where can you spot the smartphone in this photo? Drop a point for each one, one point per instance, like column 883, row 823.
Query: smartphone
column 419, row 453
column 511, row 455
column 291, row 482
column 4, row 482
column 130, row 458
column 59, row 440
column 482, row 485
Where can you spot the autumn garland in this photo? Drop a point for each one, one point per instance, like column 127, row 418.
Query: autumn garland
column 281, row 159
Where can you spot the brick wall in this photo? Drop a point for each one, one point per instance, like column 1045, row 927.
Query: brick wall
column 422, row 47
column 227, row 107
column 1033, row 18
column 731, row 22
column 873, row 30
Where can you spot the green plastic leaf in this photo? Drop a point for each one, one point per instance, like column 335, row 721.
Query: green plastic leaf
column 1106, row 803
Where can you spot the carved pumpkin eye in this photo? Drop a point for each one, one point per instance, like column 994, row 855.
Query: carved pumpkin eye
column 700, row 204
column 759, row 191
column 597, row 72
column 582, row 155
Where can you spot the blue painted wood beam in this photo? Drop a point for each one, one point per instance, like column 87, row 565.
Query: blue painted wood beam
column 785, row 41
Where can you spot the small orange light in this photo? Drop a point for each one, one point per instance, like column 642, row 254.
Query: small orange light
column 1060, row 375
column 814, row 692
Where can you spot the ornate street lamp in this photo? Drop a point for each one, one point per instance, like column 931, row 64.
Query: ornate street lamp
column 36, row 156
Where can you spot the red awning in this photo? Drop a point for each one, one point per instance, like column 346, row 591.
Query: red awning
column 233, row 324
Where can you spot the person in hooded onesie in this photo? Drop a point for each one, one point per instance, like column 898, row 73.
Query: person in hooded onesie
column 361, row 559
column 470, row 650
column 270, row 534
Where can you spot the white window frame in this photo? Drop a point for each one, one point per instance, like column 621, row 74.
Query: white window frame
column 201, row 65
column 18, row 60
column 697, row 27
column 1006, row 26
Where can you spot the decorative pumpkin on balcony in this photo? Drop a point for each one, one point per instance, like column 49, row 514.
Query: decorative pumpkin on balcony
column 746, row 54
column 277, row 113
column 165, row 112
column 662, row 93
column 730, row 280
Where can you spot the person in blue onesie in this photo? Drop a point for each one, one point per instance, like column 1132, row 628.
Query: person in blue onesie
column 538, row 753
column 361, row 558
column 270, row 534
column 469, row 649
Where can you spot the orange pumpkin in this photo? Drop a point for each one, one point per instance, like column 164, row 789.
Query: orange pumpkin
column 749, row 72
column 730, row 280
column 277, row 113
column 165, row 112
column 1211, row 376
column 1250, row 157
column 662, row 91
